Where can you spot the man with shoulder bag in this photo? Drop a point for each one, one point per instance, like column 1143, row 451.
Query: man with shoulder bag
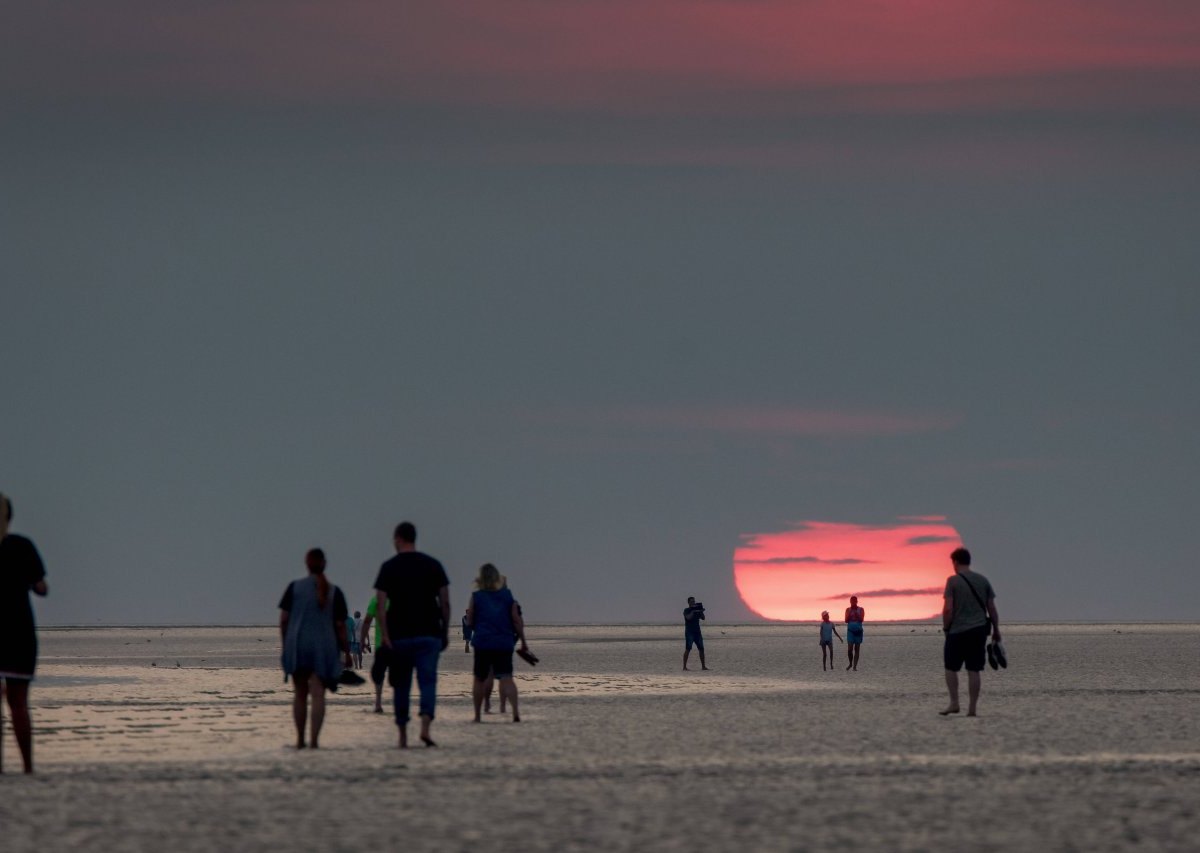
column 968, row 617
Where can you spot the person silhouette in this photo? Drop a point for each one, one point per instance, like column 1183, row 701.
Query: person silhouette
column 692, row 615
column 21, row 572
column 855, row 616
column 968, row 616
column 413, row 592
column 828, row 632
column 312, row 624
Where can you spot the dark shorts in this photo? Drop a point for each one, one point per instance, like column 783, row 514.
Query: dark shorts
column 379, row 666
column 967, row 647
column 489, row 661
column 689, row 639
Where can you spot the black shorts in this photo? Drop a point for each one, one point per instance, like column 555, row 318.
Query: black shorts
column 379, row 666
column 967, row 647
column 493, row 661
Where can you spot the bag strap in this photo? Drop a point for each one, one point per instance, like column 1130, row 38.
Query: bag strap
column 971, row 587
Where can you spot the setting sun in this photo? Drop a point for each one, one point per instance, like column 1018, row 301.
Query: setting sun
column 897, row 570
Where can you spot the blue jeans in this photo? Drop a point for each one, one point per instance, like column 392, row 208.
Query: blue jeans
column 422, row 654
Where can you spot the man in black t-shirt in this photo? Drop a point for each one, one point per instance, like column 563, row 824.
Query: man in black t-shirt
column 413, row 592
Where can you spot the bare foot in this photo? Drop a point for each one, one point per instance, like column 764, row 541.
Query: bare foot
column 378, row 709
column 953, row 709
column 972, row 714
column 704, row 667
column 403, row 738
column 300, row 744
column 427, row 740
column 516, row 718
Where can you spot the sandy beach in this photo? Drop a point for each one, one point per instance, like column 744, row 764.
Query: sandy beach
column 179, row 739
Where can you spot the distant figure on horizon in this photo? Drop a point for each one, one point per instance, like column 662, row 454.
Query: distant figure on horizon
column 312, row 624
column 497, row 625
column 354, row 655
column 21, row 572
column 379, row 663
column 968, row 616
column 467, row 631
column 692, row 615
column 855, row 616
column 828, row 632
column 413, row 592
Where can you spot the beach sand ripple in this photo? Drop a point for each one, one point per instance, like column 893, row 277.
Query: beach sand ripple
column 1089, row 742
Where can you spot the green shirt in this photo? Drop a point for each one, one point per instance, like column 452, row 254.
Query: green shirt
column 372, row 609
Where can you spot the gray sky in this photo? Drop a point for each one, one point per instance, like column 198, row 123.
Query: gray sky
column 596, row 309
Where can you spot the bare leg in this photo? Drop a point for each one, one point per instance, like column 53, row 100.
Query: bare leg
column 477, row 697
column 18, row 703
column 425, row 738
column 379, row 698
column 952, row 686
column 685, row 657
column 487, row 693
column 702, row 664
column 403, row 736
column 300, row 708
column 508, row 688
column 973, row 684
column 317, row 690
column 849, row 655
column 857, row 652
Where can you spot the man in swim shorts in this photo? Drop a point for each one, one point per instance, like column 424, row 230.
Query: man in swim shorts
column 968, row 616
column 692, row 615
column 382, row 659
column 855, row 616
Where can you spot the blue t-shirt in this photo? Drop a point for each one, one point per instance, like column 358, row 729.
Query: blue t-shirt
column 494, row 630
column 692, row 626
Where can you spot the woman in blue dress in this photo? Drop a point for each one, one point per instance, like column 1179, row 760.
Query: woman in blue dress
column 312, row 622
column 496, row 624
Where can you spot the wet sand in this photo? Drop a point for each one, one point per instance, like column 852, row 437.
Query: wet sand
column 179, row 739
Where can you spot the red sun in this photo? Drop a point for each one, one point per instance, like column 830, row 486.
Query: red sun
column 898, row 571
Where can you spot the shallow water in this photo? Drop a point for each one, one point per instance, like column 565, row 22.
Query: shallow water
column 1089, row 741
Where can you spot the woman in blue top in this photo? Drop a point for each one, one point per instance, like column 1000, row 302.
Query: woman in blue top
column 496, row 624
column 312, row 622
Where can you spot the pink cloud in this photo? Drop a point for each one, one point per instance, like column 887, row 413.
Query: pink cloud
column 617, row 54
